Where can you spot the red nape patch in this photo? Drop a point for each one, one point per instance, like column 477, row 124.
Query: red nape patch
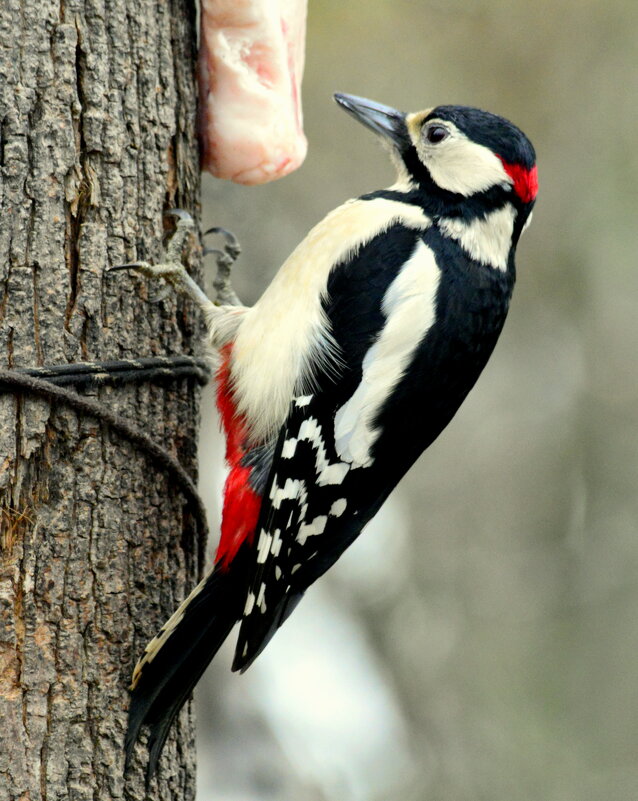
column 525, row 181
column 241, row 502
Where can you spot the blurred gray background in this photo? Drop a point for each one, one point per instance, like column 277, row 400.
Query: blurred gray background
column 480, row 641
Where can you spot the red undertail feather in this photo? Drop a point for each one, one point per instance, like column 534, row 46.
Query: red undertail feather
column 241, row 502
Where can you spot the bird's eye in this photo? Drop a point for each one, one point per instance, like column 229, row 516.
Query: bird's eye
column 436, row 133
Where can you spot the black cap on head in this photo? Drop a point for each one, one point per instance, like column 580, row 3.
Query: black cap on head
column 485, row 128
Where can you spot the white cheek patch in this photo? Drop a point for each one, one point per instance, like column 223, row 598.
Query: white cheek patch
column 459, row 165
column 409, row 306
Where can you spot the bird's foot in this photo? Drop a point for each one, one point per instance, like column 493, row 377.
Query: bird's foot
column 225, row 295
column 171, row 268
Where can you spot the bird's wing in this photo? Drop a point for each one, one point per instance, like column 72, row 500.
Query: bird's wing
column 324, row 484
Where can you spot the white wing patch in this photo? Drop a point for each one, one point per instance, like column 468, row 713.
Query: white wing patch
column 317, row 526
column 286, row 333
column 487, row 240
column 290, row 490
column 250, row 603
column 409, row 308
column 327, row 472
column 338, row 507
column 263, row 546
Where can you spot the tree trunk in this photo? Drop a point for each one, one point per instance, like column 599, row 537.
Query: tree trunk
column 97, row 115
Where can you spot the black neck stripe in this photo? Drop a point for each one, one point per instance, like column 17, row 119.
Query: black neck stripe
column 475, row 206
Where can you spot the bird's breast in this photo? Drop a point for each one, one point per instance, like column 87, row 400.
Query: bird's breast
column 286, row 337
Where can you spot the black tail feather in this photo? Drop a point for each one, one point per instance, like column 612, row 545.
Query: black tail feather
column 169, row 676
column 250, row 646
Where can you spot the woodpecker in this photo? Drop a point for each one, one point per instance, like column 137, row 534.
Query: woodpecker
column 352, row 362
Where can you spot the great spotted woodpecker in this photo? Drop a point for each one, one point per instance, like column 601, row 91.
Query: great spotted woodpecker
column 353, row 361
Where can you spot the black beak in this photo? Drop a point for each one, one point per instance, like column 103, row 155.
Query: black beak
column 383, row 120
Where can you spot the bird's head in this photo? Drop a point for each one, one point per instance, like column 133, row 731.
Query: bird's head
column 455, row 154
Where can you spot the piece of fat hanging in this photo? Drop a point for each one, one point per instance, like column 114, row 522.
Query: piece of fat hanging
column 251, row 63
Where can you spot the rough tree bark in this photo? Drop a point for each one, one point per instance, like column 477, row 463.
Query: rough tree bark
column 97, row 116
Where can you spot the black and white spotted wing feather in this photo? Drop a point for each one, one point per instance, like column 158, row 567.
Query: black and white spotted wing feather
column 318, row 499
column 315, row 504
column 304, row 501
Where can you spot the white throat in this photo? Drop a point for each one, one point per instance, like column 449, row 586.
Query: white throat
column 487, row 239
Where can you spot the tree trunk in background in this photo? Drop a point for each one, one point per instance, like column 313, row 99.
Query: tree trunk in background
column 97, row 139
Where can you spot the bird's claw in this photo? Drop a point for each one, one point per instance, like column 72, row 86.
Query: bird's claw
column 224, row 293
column 232, row 247
column 174, row 272
column 183, row 217
column 171, row 267
column 160, row 295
